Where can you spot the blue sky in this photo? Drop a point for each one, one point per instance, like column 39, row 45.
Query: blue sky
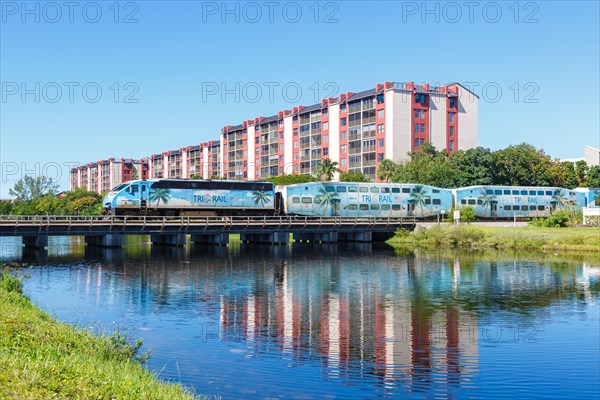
column 158, row 64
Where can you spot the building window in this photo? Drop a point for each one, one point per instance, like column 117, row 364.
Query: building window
column 281, row 158
column 295, row 131
column 343, row 107
column 325, row 151
column 451, row 145
column 419, row 128
column 281, row 147
column 380, row 143
column 421, row 142
column 280, row 135
column 256, row 140
column 295, row 119
column 380, row 128
column 325, row 126
column 451, row 116
column 325, row 111
column 451, row 131
column 344, row 135
column 380, row 98
column 296, row 169
column 419, row 113
column 420, row 98
column 343, row 162
column 344, row 149
column 295, row 144
column 325, row 138
column 379, row 157
column 380, row 114
column 416, row 142
column 343, row 121
column 452, row 102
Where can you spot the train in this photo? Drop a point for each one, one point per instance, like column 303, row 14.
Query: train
column 188, row 197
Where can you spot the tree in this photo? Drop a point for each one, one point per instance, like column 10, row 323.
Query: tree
column 292, row 179
column 593, row 178
column 28, row 188
column 522, row 165
column 134, row 174
column 326, row 169
column 386, row 170
column 160, row 195
column 354, row 177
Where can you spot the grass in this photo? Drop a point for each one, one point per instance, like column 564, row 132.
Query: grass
column 513, row 238
column 41, row 358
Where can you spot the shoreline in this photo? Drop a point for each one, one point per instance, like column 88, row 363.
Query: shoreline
column 527, row 238
column 45, row 358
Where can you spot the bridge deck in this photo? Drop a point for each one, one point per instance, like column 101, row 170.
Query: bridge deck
column 132, row 225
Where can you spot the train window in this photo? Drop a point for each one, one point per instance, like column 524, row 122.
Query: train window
column 405, row 190
column 352, row 189
column 548, row 193
column 385, row 207
column 532, row 192
column 541, row 208
column 524, row 208
column 540, row 192
column 436, row 202
column 435, row 191
column 489, row 191
column 396, row 207
column 307, row 200
column 395, row 190
column 471, row 202
column 516, row 208
column 317, row 199
column 479, row 201
column 427, row 201
column 133, row 189
column 385, row 190
column 352, row 207
column 374, row 206
column 363, row 189
column 374, row 189
column 524, row 192
column 329, row 189
column 363, row 207
column 296, row 200
column 341, row 189
column 506, row 208
column 506, row 192
column 463, row 201
column 497, row 192
column 515, row 192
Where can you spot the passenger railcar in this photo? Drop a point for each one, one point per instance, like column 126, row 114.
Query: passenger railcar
column 592, row 196
column 191, row 197
column 347, row 199
column 503, row 202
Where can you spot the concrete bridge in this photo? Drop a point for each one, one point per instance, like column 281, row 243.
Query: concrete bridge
column 110, row 231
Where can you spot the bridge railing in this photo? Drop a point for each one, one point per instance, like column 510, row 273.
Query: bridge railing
column 40, row 220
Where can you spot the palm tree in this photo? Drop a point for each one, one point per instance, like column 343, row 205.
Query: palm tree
column 160, row 194
column 326, row 199
column 327, row 169
column 487, row 199
column 262, row 197
column 596, row 197
column 419, row 196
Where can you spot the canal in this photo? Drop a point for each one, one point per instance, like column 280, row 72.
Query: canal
column 339, row 321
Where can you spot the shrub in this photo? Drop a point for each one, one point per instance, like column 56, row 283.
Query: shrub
column 467, row 214
column 559, row 219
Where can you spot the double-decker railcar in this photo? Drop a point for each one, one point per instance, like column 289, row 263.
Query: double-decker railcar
column 499, row 202
column 173, row 197
column 346, row 199
column 592, row 196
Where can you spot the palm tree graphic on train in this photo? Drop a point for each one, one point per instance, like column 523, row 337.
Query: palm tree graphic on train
column 595, row 199
column 487, row 200
column 559, row 200
column 159, row 195
column 327, row 200
column 259, row 196
column 419, row 197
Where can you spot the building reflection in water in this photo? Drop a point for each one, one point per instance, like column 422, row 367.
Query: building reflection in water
column 359, row 314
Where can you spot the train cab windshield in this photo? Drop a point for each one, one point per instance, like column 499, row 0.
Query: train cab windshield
column 119, row 187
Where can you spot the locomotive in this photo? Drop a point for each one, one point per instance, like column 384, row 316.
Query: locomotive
column 187, row 197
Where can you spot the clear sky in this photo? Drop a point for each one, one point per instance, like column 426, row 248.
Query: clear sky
column 85, row 81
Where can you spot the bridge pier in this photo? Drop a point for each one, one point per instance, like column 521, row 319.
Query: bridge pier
column 356, row 236
column 323, row 237
column 36, row 242
column 173, row 239
column 272, row 238
column 110, row 240
column 218, row 239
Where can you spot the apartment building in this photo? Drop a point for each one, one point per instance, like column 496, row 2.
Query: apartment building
column 103, row 175
column 358, row 130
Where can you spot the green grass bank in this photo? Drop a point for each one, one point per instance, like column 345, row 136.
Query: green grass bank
column 41, row 358
column 509, row 238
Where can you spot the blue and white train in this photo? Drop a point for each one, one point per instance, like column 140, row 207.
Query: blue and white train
column 181, row 197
